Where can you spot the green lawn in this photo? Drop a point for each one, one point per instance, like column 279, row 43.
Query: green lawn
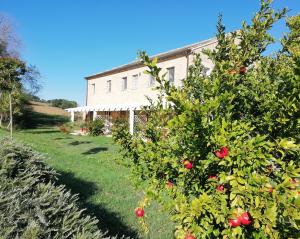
column 88, row 166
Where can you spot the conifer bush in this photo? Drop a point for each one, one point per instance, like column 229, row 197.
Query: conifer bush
column 228, row 166
column 32, row 204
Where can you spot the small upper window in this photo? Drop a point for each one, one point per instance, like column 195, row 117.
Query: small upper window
column 124, row 83
column 93, row 88
column 171, row 75
column 108, row 86
column 135, row 82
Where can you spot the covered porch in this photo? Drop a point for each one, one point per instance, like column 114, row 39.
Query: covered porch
column 108, row 113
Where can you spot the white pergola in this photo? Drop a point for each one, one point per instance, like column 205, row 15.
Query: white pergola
column 113, row 107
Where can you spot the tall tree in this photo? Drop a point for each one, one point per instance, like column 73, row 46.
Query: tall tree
column 12, row 71
column 16, row 77
column 9, row 41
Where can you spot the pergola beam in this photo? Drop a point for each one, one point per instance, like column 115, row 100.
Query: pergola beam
column 131, row 121
column 114, row 107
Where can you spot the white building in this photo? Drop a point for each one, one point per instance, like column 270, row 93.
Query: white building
column 122, row 91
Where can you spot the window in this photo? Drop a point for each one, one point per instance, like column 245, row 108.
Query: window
column 93, row 88
column 124, row 83
column 108, row 86
column 171, row 75
column 135, row 82
column 151, row 81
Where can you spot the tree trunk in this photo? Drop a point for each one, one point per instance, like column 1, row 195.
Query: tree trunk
column 11, row 116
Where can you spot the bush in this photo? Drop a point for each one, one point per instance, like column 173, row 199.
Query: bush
column 32, row 204
column 228, row 166
column 72, row 126
column 96, row 127
column 65, row 128
column 120, row 132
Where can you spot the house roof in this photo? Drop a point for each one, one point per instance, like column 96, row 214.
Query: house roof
column 161, row 56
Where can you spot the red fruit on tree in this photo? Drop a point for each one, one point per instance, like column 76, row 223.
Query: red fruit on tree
column 243, row 70
column 245, row 218
column 189, row 236
column 139, row 212
column 187, row 164
column 234, row 222
column 220, row 188
column 212, row 177
column 222, row 153
column 170, row 184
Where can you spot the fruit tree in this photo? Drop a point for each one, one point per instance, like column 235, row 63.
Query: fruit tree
column 223, row 156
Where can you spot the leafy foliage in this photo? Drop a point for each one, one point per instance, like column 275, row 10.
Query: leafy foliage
column 121, row 134
column 96, row 127
column 71, row 126
column 16, row 79
column 18, row 104
column 32, row 205
column 227, row 145
column 11, row 72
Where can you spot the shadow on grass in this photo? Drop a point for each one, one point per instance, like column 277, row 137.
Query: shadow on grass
column 76, row 143
column 42, row 131
column 60, row 138
column 33, row 120
column 95, row 150
column 108, row 221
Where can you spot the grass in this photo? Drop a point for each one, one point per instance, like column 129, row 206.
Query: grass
column 88, row 166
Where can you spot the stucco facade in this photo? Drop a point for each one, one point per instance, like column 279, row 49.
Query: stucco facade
column 137, row 90
column 122, row 91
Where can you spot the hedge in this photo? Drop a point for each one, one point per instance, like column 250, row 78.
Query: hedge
column 33, row 204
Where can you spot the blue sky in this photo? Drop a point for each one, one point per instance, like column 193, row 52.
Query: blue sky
column 68, row 40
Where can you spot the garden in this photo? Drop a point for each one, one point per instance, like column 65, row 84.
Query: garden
column 92, row 168
column 217, row 158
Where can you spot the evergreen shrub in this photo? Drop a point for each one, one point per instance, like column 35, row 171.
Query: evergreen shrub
column 32, row 203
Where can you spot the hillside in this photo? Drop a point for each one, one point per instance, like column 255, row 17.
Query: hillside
column 45, row 108
column 42, row 115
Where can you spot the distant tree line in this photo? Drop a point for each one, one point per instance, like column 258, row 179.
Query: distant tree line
column 62, row 103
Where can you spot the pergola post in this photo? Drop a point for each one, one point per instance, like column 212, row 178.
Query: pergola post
column 94, row 115
column 131, row 121
column 72, row 116
column 84, row 115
